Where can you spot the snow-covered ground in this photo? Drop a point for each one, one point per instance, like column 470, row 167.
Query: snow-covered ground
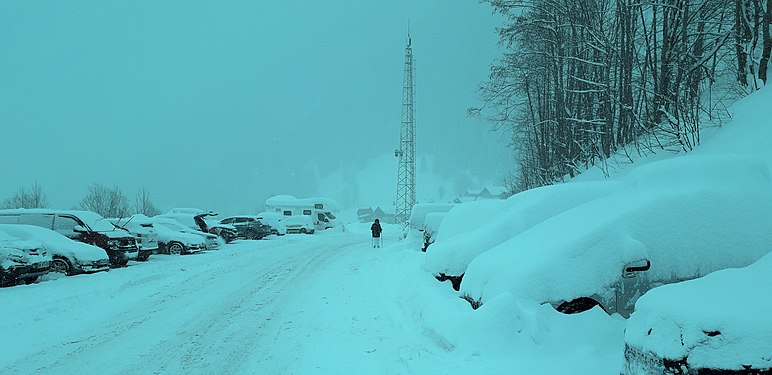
column 323, row 304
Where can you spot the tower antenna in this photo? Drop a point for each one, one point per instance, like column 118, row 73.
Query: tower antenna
column 406, row 151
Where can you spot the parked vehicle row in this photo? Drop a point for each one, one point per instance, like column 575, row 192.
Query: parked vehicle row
column 636, row 249
column 34, row 242
column 83, row 226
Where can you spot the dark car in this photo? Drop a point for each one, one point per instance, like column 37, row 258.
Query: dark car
column 248, row 227
column 718, row 324
column 83, row 226
column 21, row 262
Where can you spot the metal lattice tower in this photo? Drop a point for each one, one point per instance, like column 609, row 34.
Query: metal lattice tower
column 406, row 150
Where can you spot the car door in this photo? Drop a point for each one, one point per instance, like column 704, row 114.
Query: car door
column 65, row 225
column 632, row 285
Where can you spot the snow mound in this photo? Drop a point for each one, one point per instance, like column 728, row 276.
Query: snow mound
column 473, row 228
column 688, row 216
column 719, row 321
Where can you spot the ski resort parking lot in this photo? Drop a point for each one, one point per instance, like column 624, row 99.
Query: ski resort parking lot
column 323, row 304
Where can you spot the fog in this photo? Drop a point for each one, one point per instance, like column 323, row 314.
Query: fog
column 220, row 104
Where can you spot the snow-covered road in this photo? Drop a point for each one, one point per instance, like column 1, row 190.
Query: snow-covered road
column 296, row 304
column 322, row 304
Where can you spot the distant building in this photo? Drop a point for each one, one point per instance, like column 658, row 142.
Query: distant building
column 367, row 215
column 471, row 195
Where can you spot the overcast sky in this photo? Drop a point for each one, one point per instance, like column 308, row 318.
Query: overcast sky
column 218, row 104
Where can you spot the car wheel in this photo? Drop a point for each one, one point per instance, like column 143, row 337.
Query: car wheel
column 175, row 248
column 251, row 235
column 274, row 232
column 303, row 231
column 61, row 265
column 578, row 305
column 30, row 280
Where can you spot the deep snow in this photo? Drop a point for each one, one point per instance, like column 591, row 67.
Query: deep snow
column 322, row 304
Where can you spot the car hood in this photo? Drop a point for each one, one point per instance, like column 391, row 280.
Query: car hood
column 116, row 234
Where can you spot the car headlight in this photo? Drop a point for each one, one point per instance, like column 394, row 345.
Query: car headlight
column 16, row 258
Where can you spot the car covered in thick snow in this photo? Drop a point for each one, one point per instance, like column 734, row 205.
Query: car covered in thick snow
column 719, row 324
column 303, row 224
column 21, row 261
column 431, row 227
column 175, row 238
column 248, row 227
column 470, row 229
column 669, row 221
column 203, row 221
column 84, row 226
column 68, row 256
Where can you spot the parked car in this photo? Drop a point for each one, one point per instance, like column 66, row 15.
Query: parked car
column 718, row 324
column 143, row 232
column 201, row 220
column 248, row 227
column 175, row 238
column 431, row 227
column 68, row 256
column 670, row 221
column 275, row 221
column 21, row 261
column 299, row 224
column 84, row 226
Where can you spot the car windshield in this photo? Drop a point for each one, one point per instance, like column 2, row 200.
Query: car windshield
column 330, row 215
column 95, row 222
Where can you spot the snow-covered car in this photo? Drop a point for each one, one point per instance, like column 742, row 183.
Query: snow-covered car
column 175, row 238
column 275, row 221
column 299, row 224
column 68, row 256
column 670, row 221
column 418, row 216
column 248, row 226
column 472, row 228
column 718, row 324
column 203, row 221
column 143, row 232
column 84, row 226
column 21, row 261
column 431, row 227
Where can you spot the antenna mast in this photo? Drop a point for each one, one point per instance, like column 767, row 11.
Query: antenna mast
column 406, row 150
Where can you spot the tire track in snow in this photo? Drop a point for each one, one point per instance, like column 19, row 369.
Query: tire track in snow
column 213, row 338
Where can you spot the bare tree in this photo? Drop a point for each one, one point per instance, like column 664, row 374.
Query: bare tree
column 106, row 202
column 144, row 205
column 32, row 198
column 581, row 80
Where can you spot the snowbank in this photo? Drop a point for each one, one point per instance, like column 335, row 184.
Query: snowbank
column 473, row 228
column 720, row 321
column 689, row 216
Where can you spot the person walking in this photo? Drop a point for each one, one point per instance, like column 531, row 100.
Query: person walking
column 376, row 229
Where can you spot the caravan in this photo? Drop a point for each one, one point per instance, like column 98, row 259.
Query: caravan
column 321, row 210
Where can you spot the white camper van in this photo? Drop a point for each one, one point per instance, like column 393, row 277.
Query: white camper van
column 321, row 210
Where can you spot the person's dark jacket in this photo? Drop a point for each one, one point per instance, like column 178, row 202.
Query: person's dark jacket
column 376, row 228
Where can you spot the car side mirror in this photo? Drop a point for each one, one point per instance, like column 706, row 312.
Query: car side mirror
column 637, row 266
column 79, row 229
